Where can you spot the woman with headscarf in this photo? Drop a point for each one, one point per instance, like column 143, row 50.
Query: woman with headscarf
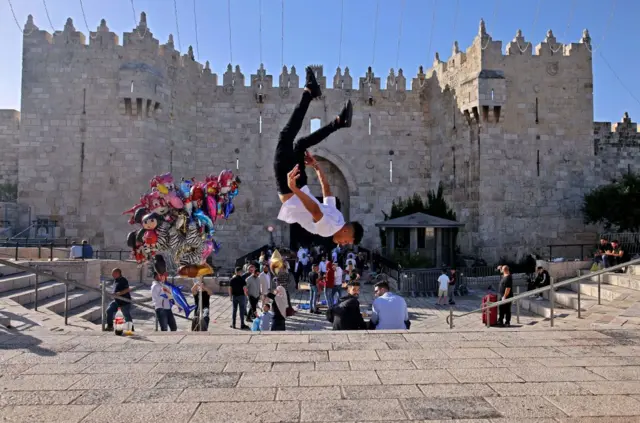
column 279, row 298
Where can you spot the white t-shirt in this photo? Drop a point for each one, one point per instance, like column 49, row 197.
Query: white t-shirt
column 323, row 266
column 338, row 273
column 444, row 282
column 293, row 211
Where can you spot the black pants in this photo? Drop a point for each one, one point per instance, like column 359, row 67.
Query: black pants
column 504, row 314
column 253, row 306
column 290, row 153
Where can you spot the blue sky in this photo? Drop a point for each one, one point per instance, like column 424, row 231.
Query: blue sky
column 312, row 34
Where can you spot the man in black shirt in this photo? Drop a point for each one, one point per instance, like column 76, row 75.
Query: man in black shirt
column 238, row 294
column 346, row 315
column 196, row 289
column 599, row 252
column 120, row 288
column 542, row 279
column 313, row 289
column 506, row 292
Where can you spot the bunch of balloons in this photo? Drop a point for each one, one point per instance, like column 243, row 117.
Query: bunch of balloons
column 180, row 219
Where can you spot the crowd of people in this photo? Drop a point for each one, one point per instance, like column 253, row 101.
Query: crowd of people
column 261, row 298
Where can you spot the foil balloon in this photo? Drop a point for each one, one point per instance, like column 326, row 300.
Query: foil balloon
column 277, row 263
column 208, row 249
column 178, row 220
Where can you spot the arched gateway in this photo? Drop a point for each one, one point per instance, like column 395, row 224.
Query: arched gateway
column 340, row 190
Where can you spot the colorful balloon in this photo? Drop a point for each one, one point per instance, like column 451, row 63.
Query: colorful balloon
column 180, row 220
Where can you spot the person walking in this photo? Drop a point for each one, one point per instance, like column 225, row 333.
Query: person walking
column 238, row 294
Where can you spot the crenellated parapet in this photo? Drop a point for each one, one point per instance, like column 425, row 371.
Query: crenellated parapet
column 476, row 77
column 617, row 147
column 624, row 132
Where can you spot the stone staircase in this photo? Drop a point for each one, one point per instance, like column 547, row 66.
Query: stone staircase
column 84, row 304
column 618, row 292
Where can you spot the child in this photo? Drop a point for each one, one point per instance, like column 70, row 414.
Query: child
column 265, row 319
column 255, row 326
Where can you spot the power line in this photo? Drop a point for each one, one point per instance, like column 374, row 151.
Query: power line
column 606, row 28
column 433, row 24
column 93, row 37
column 533, row 30
column 46, row 10
column 229, row 19
column 14, row 16
column 375, row 33
column 400, row 34
column 195, row 22
column 618, row 78
column 260, row 30
column 566, row 29
column 493, row 19
column 455, row 20
column 175, row 12
column 135, row 21
column 341, row 25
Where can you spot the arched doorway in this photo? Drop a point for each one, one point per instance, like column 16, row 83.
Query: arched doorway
column 339, row 189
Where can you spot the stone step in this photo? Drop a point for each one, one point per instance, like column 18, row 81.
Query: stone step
column 89, row 311
column 77, row 298
column 92, row 310
column 16, row 281
column 625, row 280
column 27, row 295
column 569, row 299
column 541, row 308
column 607, row 292
column 634, row 269
column 8, row 270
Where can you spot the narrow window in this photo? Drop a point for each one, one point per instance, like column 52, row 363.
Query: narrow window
column 260, row 123
column 131, row 86
column 315, row 124
column 390, row 170
column 537, row 121
column 538, row 163
column 369, row 123
column 84, row 101
column 492, row 95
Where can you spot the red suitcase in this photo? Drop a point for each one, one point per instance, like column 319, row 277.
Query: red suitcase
column 493, row 311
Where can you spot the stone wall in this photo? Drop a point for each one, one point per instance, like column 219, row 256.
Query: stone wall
column 617, row 148
column 9, row 139
column 508, row 135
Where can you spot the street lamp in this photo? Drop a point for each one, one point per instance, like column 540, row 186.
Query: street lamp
column 270, row 229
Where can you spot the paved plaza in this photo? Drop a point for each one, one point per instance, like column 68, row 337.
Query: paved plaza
column 480, row 376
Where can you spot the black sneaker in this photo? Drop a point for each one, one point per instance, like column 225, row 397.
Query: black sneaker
column 232, row 326
column 108, row 329
column 312, row 84
column 345, row 115
column 244, row 327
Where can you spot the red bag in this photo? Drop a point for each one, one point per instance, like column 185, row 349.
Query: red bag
column 493, row 311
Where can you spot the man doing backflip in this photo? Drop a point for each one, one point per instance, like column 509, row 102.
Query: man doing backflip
column 298, row 205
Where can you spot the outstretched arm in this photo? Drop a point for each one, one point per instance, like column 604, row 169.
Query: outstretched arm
column 311, row 161
column 311, row 206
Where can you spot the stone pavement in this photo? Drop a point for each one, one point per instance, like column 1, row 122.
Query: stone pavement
column 486, row 375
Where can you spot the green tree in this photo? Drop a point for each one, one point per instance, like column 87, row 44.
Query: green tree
column 616, row 205
column 434, row 205
column 8, row 192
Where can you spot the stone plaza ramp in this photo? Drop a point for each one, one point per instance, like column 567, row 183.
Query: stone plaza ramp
column 481, row 376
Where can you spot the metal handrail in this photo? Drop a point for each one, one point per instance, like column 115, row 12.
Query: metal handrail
column 72, row 282
column 21, row 232
column 546, row 288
